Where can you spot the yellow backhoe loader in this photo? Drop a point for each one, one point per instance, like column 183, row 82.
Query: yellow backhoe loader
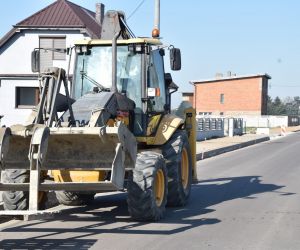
column 112, row 130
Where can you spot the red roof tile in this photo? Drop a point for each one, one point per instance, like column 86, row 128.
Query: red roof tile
column 63, row 13
column 60, row 14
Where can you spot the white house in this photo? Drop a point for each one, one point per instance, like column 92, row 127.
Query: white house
column 57, row 26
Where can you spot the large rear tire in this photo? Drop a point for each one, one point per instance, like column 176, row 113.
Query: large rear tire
column 179, row 164
column 147, row 187
column 74, row 198
column 15, row 200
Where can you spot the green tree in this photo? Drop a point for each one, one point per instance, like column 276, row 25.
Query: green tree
column 292, row 105
column 276, row 106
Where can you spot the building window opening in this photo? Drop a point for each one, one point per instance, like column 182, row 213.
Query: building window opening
column 222, row 98
column 52, row 49
column 27, row 97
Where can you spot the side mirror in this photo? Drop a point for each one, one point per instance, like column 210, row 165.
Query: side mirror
column 35, row 61
column 171, row 86
column 175, row 59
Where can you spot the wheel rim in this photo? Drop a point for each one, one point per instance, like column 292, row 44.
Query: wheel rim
column 159, row 187
column 184, row 168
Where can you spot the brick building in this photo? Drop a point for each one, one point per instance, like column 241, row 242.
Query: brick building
column 188, row 97
column 232, row 95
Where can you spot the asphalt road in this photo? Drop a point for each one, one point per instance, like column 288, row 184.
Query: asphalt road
column 246, row 199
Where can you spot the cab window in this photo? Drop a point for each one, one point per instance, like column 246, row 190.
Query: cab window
column 156, row 81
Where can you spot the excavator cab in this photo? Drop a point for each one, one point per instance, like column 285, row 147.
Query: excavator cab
column 140, row 75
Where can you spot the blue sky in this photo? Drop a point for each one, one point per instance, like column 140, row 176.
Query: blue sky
column 244, row 37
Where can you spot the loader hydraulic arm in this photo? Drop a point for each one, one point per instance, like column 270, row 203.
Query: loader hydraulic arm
column 51, row 101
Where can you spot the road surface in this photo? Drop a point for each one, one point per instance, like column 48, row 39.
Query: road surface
column 246, row 199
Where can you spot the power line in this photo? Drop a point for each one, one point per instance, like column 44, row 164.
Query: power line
column 285, row 86
column 136, row 9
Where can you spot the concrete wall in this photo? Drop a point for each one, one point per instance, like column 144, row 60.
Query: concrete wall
column 15, row 59
column 266, row 121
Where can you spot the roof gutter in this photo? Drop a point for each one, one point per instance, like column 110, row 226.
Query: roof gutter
column 19, row 76
column 18, row 29
column 229, row 78
column 82, row 29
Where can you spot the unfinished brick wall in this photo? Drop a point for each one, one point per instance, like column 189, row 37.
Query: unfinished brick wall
column 240, row 96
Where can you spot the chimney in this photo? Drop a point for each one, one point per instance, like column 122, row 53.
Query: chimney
column 99, row 12
column 219, row 76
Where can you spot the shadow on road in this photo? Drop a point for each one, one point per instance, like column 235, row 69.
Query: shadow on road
column 215, row 191
column 108, row 214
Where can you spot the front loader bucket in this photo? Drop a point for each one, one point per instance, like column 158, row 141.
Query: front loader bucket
column 14, row 148
column 90, row 148
column 81, row 148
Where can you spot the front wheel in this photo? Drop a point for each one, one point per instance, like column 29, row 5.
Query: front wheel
column 179, row 164
column 147, row 187
column 19, row 200
column 15, row 200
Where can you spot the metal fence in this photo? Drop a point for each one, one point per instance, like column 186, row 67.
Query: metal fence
column 218, row 127
column 209, row 128
column 293, row 120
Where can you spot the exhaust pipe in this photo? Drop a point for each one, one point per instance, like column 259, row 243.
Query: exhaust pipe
column 114, row 88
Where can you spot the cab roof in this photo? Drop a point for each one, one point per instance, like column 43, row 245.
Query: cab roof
column 143, row 40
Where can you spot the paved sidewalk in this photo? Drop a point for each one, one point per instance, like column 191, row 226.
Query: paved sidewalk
column 213, row 147
column 276, row 131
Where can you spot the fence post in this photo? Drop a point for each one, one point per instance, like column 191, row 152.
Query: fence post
column 230, row 127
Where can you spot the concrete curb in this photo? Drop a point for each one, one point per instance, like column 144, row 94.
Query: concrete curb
column 218, row 151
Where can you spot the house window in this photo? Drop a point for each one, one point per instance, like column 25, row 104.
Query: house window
column 222, row 98
column 59, row 46
column 52, row 48
column 27, row 97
